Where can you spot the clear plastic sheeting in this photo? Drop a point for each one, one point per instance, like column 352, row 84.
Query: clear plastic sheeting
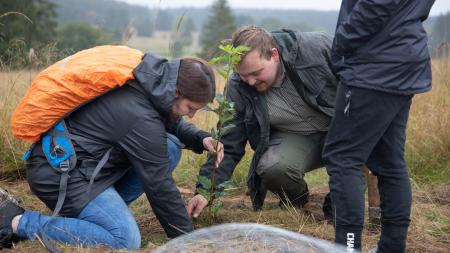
column 246, row 238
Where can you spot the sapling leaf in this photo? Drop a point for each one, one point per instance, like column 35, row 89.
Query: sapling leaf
column 204, row 193
column 242, row 49
column 226, row 48
column 210, row 109
column 226, row 118
column 226, row 68
column 219, row 60
column 220, row 98
column 223, row 73
column 218, row 194
column 225, row 185
column 235, row 59
column 215, row 208
column 205, row 182
column 224, row 105
column 214, row 134
column 229, row 113
column 226, row 129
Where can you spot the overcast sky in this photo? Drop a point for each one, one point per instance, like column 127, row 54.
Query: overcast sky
column 440, row 6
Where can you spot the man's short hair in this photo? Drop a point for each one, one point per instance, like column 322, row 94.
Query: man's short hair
column 254, row 37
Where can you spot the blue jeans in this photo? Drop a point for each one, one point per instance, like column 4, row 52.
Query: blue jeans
column 104, row 220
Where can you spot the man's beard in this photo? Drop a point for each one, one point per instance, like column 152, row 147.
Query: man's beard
column 264, row 86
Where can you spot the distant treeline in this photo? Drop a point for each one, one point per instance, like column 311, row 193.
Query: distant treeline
column 115, row 15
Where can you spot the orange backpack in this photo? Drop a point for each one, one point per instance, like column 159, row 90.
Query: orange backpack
column 69, row 84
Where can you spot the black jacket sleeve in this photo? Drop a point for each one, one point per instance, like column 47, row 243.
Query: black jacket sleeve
column 234, row 140
column 146, row 148
column 366, row 19
column 190, row 136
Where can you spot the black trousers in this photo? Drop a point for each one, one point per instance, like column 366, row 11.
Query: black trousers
column 369, row 127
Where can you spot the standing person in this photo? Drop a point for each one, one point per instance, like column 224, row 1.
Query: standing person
column 283, row 91
column 141, row 124
column 381, row 57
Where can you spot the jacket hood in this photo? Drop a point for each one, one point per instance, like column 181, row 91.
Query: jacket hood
column 287, row 44
column 158, row 77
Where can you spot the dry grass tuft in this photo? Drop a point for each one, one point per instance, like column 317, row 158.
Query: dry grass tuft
column 428, row 135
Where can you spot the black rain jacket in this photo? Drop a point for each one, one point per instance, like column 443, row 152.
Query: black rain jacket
column 382, row 45
column 131, row 119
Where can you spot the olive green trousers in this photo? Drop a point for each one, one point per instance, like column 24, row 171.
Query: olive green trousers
column 288, row 157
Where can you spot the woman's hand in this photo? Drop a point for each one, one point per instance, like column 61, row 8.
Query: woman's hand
column 210, row 144
column 196, row 206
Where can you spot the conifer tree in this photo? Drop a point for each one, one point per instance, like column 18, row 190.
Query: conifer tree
column 219, row 26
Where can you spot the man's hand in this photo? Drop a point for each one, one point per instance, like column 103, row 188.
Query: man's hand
column 210, row 144
column 196, row 205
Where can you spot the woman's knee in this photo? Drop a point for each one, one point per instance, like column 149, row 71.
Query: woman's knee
column 129, row 238
column 133, row 243
column 109, row 211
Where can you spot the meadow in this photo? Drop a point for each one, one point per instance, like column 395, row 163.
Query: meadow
column 427, row 152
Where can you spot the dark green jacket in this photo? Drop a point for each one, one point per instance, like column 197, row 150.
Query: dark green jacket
column 306, row 58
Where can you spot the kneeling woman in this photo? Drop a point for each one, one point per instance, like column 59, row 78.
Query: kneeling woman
column 140, row 123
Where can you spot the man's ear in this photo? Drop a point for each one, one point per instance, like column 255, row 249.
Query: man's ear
column 275, row 54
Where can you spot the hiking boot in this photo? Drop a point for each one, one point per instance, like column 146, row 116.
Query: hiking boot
column 9, row 208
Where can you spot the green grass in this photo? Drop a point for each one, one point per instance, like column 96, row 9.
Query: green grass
column 317, row 177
